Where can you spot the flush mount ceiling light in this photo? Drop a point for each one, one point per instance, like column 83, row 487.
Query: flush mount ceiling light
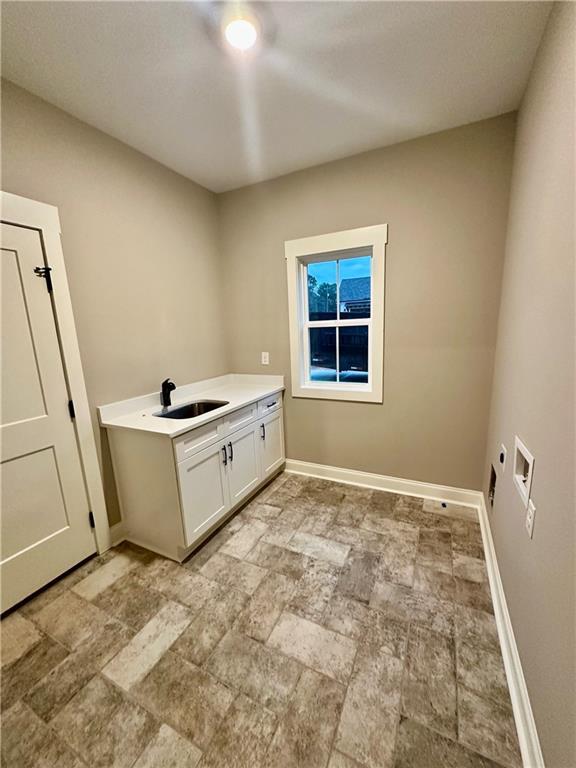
column 241, row 34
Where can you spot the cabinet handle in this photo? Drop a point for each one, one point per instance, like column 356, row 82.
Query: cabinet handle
column 230, row 452
column 271, row 405
column 225, row 457
column 263, row 433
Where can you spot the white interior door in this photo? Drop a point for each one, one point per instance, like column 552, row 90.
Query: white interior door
column 272, row 443
column 203, row 490
column 45, row 516
column 243, row 464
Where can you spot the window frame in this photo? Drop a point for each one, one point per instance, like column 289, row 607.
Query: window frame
column 332, row 247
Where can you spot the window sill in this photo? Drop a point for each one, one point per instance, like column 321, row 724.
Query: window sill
column 351, row 393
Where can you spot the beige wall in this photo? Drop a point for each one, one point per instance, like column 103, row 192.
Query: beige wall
column 445, row 199
column 534, row 391
column 140, row 244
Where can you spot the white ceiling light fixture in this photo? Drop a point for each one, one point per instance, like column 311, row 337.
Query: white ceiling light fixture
column 241, row 34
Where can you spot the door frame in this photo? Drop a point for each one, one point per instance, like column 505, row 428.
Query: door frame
column 31, row 214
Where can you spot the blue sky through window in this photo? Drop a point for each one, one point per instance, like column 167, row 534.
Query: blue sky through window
column 323, row 271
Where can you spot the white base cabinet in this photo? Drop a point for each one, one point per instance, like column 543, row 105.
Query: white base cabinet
column 173, row 492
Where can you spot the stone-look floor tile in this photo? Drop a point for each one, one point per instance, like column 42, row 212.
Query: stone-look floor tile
column 18, row 635
column 134, row 661
column 305, row 734
column 470, row 568
column 375, row 521
column 243, row 739
column 169, row 750
column 20, row 676
column 258, row 511
column 408, row 509
column 384, row 503
column 338, row 760
column 429, row 691
column 330, row 495
column 70, row 619
column 435, row 550
column 486, row 728
column 130, row 601
column 482, row 672
column 346, row 616
column 258, row 671
column 419, row 747
column 351, row 512
column 278, row 534
column 213, row 544
column 358, row 575
column 359, row 538
column 264, row 608
column 105, row 576
column 321, row 649
column 313, row 590
column 232, row 573
column 243, row 541
column 476, row 628
column 367, row 729
column 467, row 538
column 435, row 583
column 56, row 689
column 320, row 523
column 474, row 594
column 398, row 559
column 278, row 559
column 182, row 585
column 295, row 511
column 383, row 633
column 106, row 730
column 447, row 509
column 404, row 604
column 186, row 697
column 27, row 742
column 209, row 626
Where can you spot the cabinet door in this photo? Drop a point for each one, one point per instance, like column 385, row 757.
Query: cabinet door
column 203, row 490
column 272, row 454
column 243, row 462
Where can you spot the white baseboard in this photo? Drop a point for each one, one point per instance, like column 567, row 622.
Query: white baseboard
column 117, row 534
column 525, row 724
column 386, row 483
column 523, row 715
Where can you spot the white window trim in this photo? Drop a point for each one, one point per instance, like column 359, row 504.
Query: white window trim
column 298, row 253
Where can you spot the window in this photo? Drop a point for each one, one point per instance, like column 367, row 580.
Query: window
column 336, row 306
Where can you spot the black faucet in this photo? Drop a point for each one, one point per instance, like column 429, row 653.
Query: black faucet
column 167, row 387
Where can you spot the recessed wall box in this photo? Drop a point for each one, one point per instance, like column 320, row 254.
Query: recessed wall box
column 523, row 469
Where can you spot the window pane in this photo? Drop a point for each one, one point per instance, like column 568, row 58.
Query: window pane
column 322, row 354
column 355, row 287
column 353, row 345
column 322, row 290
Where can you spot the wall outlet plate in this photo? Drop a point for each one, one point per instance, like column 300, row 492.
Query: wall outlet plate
column 265, row 358
column 530, row 515
column 523, row 470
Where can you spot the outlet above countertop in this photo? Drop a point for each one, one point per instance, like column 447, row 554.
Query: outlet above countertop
column 238, row 389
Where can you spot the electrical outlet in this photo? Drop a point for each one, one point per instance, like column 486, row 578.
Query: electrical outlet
column 265, row 358
column 530, row 515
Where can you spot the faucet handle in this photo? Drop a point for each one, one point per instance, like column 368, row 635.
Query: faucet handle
column 168, row 384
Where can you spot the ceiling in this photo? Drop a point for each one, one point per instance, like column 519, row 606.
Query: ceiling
column 331, row 79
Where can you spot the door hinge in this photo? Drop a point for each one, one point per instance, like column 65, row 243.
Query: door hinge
column 45, row 273
column 91, row 519
column 71, row 410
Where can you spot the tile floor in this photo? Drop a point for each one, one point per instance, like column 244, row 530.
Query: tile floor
column 324, row 625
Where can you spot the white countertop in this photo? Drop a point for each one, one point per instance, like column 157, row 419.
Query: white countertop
column 237, row 388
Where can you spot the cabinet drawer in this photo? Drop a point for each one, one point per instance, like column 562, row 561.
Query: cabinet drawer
column 270, row 404
column 197, row 439
column 240, row 418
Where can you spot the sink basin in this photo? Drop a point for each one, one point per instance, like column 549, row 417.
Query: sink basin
column 191, row 410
